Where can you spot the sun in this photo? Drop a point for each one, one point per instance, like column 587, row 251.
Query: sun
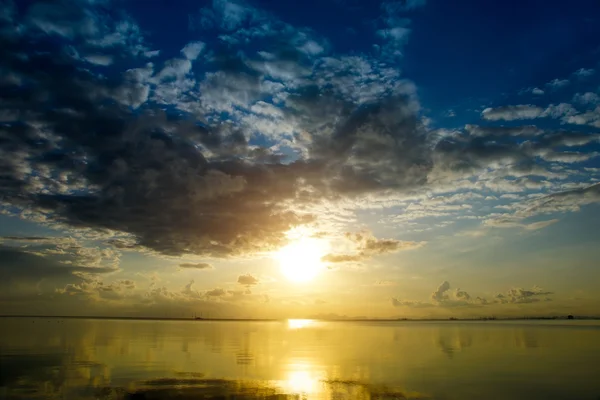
column 300, row 260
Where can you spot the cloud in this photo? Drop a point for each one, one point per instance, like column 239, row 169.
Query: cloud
column 591, row 118
column 201, row 265
column 192, row 50
column 537, row 91
column 584, row 72
column 407, row 303
column 36, row 266
column 540, row 224
column 367, row 245
column 247, row 280
column 511, row 222
column 558, row 202
column 511, row 113
column 522, row 296
column 586, row 98
column 99, row 59
column 440, row 295
column 557, row 83
column 342, row 258
column 218, row 292
column 145, row 153
column 178, row 187
column 384, row 283
column 502, row 131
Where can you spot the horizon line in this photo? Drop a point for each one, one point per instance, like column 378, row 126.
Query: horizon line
column 350, row 319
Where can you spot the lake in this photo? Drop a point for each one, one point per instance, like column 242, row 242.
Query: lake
column 43, row 358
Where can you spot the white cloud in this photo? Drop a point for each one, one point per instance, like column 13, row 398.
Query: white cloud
column 540, row 224
column 151, row 53
column 584, row 72
column 557, row 83
column 528, row 111
column 192, row 50
column 537, row 91
column 511, row 113
column 99, row 59
column 588, row 118
column 586, row 98
column 311, row 47
column 175, row 68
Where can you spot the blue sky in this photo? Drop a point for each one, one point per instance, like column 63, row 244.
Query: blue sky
column 410, row 158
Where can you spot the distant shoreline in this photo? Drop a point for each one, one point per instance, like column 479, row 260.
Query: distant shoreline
column 561, row 318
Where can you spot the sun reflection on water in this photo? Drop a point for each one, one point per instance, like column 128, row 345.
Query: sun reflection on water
column 303, row 378
column 300, row 323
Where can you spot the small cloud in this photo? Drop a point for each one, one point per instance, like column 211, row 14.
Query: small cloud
column 192, row 50
column 539, row 225
column 369, row 245
column 384, row 283
column 127, row 284
column 442, row 297
column 196, row 266
column 523, row 296
column 408, row 303
column 586, row 98
column 508, row 222
column 557, row 83
column 340, row 258
column 218, row 292
column 511, row 113
column 247, row 280
column 440, row 293
column 473, row 233
column 537, row 91
column 584, row 72
column 450, row 113
column 99, row 59
column 151, row 53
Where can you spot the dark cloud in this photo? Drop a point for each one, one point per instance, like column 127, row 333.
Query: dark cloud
column 368, row 246
column 502, row 131
column 39, row 270
column 218, row 292
column 196, row 266
column 341, row 258
column 440, row 294
column 248, row 280
column 81, row 156
column 108, row 168
column 523, row 296
column 146, row 153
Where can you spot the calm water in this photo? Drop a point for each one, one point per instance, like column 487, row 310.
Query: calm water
column 112, row 359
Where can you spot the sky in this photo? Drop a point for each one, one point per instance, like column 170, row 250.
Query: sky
column 333, row 158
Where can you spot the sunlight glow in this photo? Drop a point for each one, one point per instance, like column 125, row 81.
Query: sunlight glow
column 300, row 260
column 300, row 323
column 302, row 378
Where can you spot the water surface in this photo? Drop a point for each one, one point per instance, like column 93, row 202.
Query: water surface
column 301, row 359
